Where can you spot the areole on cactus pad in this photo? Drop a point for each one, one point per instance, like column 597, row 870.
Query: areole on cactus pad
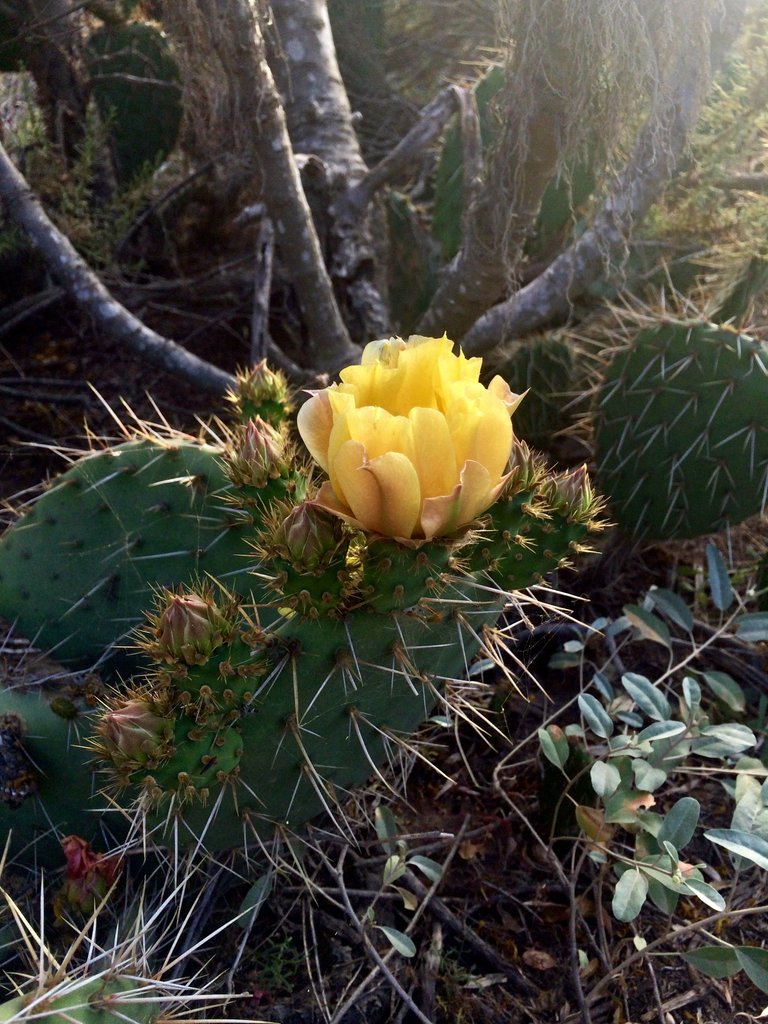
column 267, row 703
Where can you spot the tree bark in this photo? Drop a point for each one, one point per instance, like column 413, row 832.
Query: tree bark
column 252, row 121
column 322, row 132
column 82, row 285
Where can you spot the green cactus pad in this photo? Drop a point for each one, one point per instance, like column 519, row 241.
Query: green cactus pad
column 105, row 999
column 681, row 431
column 78, row 569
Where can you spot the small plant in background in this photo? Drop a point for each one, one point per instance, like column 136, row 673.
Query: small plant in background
column 647, row 739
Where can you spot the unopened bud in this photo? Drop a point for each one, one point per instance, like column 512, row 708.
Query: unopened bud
column 308, row 536
column 262, row 392
column 189, row 628
column 134, row 733
column 258, row 454
column 87, row 878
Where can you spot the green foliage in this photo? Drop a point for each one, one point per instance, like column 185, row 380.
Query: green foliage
column 681, row 430
column 412, row 262
column 564, row 194
column 449, row 178
column 132, row 71
column 643, row 735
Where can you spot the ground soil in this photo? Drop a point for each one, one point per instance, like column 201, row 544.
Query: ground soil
column 517, row 930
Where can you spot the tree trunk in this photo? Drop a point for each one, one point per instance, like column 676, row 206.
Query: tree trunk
column 247, row 121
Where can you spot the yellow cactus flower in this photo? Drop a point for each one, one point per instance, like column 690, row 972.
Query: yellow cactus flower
column 413, row 444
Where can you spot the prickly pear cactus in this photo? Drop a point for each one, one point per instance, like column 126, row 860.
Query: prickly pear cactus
column 547, row 367
column 269, row 700
column 239, row 729
column 681, row 430
column 81, row 564
column 108, row 999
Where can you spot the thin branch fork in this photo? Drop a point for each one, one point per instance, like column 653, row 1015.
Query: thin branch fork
column 431, row 122
column 87, row 291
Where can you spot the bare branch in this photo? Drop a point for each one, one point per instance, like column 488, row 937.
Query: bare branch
column 82, row 285
column 598, row 251
column 432, row 120
column 261, row 288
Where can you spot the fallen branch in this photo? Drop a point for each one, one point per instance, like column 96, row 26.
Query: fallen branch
column 87, row 291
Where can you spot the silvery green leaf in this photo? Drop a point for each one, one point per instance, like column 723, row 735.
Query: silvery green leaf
column 605, row 778
column 673, row 606
column 603, row 685
column 394, row 868
column 754, row 962
column 398, row 940
column 255, row 898
column 554, row 746
column 705, row 892
column 752, row 627
column 691, row 694
column 386, row 827
column 680, row 822
column 619, row 625
column 726, row 689
column 427, row 866
column 719, row 581
column 714, row 961
column 743, row 844
column 573, row 646
column 629, row 895
column 647, row 778
column 650, row 626
column 661, row 731
column 750, row 815
column 595, row 715
column 662, row 897
column 648, row 697
column 560, row 660
column 723, row 740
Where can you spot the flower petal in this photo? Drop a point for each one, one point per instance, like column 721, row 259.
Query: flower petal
column 433, row 453
column 382, row 493
column 314, row 422
column 469, row 498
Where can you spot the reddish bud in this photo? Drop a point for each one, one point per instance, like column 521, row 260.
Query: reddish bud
column 307, row 536
column 88, row 876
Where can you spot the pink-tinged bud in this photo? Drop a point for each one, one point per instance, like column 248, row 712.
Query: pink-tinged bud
column 258, row 454
column 307, row 536
column 189, row 628
column 133, row 734
column 88, row 876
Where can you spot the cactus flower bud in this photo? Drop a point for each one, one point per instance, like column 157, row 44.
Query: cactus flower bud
column 88, row 876
column 262, row 392
column 308, row 536
column 188, row 628
column 414, row 445
column 573, row 491
column 133, row 734
column 258, row 454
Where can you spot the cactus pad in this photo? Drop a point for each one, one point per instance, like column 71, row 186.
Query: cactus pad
column 682, row 430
